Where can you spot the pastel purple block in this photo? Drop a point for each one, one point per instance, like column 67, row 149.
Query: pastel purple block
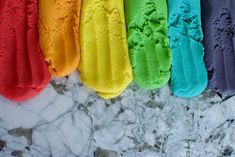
column 218, row 19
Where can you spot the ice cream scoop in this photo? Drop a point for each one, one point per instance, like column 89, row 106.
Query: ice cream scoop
column 105, row 65
column 59, row 23
column 148, row 43
column 218, row 23
column 23, row 71
column 188, row 72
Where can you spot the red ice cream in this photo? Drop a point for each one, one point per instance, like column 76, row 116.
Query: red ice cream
column 23, row 72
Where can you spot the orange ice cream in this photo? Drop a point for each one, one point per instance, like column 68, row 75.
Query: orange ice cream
column 59, row 34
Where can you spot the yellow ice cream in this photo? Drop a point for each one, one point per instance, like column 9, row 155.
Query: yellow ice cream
column 104, row 65
column 59, row 34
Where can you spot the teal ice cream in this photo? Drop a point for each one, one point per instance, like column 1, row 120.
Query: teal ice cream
column 188, row 73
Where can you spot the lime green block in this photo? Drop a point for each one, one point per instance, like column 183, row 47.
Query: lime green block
column 148, row 43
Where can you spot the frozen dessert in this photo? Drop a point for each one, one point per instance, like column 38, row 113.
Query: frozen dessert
column 105, row 66
column 23, row 72
column 148, row 43
column 58, row 24
column 188, row 72
column 218, row 23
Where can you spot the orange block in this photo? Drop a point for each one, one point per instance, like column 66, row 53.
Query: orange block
column 59, row 34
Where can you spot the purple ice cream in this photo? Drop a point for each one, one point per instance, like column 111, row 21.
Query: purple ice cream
column 218, row 19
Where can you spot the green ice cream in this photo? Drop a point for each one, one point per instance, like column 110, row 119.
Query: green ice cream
column 148, row 43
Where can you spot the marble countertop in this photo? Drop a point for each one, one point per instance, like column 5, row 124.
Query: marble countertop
column 69, row 120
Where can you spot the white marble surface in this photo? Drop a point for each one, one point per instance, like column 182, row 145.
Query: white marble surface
column 69, row 120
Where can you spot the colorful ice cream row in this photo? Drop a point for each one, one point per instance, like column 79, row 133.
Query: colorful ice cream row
column 112, row 42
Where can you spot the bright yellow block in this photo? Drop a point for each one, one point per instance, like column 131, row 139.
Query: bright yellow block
column 104, row 65
column 59, row 34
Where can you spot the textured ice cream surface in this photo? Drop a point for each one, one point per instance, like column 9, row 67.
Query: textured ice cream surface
column 148, row 43
column 105, row 65
column 59, row 23
column 188, row 72
column 218, row 26
column 23, row 72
